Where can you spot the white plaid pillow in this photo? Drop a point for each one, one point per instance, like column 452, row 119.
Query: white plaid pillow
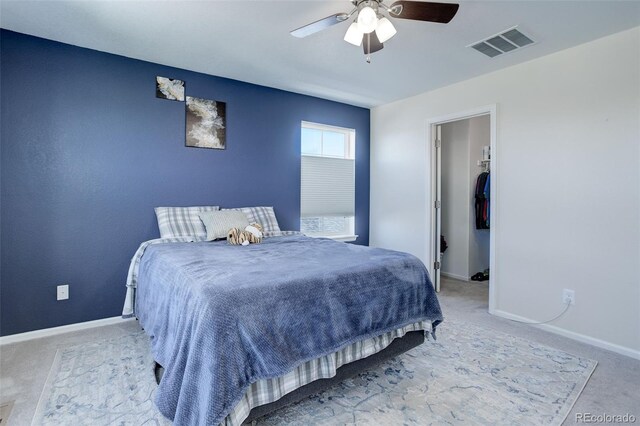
column 218, row 224
column 176, row 222
column 265, row 216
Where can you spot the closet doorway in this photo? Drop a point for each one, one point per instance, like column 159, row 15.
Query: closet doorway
column 463, row 198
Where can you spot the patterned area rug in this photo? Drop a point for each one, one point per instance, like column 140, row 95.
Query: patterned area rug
column 469, row 375
column 107, row 382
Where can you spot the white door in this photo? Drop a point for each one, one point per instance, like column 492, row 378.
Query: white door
column 437, row 210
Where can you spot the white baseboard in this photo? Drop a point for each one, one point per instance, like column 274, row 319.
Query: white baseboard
column 46, row 332
column 454, row 276
column 622, row 350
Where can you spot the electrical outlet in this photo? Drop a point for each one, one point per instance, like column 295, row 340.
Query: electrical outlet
column 63, row 292
column 568, row 297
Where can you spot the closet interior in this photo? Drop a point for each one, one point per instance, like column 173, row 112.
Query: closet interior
column 465, row 180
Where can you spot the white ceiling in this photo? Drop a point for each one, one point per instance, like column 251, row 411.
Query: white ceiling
column 250, row 41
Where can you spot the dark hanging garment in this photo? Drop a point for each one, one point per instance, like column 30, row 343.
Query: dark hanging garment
column 443, row 244
column 482, row 202
column 487, row 198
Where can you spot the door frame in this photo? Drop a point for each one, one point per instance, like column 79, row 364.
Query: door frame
column 432, row 124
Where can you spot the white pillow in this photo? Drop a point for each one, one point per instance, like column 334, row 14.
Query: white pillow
column 219, row 223
column 182, row 221
column 265, row 216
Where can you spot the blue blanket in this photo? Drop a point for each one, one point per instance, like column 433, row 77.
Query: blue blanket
column 221, row 317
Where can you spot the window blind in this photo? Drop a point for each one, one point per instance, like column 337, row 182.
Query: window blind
column 327, row 187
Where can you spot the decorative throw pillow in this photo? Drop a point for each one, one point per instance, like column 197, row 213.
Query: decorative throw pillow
column 176, row 222
column 265, row 216
column 219, row 223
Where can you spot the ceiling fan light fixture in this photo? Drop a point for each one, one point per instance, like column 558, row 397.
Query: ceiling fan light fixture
column 367, row 20
column 385, row 30
column 372, row 24
column 353, row 35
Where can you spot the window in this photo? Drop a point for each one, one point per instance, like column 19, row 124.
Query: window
column 327, row 206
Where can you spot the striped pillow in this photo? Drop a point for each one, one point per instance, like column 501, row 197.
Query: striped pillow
column 218, row 224
column 281, row 234
column 265, row 216
column 176, row 222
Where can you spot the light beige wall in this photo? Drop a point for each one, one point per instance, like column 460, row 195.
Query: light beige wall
column 568, row 184
column 455, row 198
column 479, row 136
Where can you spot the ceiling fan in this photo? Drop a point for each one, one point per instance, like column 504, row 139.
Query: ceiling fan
column 371, row 28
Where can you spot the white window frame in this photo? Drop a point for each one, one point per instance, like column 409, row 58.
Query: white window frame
column 350, row 137
column 349, row 154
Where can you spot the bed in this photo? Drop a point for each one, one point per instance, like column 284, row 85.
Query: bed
column 242, row 330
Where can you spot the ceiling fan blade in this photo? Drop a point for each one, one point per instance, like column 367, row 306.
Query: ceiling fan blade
column 320, row 25
column 424, row 11
column 371, row 43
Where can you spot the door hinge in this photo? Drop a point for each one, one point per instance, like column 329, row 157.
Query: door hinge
column 436, row 265
column 437, row 204
column 438, row 143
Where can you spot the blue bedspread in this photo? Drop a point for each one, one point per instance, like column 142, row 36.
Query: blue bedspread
column 221, row 317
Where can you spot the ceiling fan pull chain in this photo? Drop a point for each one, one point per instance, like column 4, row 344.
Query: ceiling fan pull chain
column 369, row 48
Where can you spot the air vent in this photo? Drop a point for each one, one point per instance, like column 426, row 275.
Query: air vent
column 507, row 41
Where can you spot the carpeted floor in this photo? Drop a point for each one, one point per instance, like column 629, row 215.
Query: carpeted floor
column 612, row 389
column 470, row 376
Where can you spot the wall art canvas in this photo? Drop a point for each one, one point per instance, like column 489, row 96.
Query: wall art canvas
column 206, row 123
column 167, row 88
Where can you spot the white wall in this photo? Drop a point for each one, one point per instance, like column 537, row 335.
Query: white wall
column 568, row 184
column 455, row 198
column 479, row 136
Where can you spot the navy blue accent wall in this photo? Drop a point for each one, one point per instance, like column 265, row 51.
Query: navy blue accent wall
column 88, row 151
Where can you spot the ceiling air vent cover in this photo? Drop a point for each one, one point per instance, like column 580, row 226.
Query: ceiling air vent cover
column 507, row 41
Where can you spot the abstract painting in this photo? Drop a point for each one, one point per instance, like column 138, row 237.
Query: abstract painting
column 206, row 123
column 167, row 88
